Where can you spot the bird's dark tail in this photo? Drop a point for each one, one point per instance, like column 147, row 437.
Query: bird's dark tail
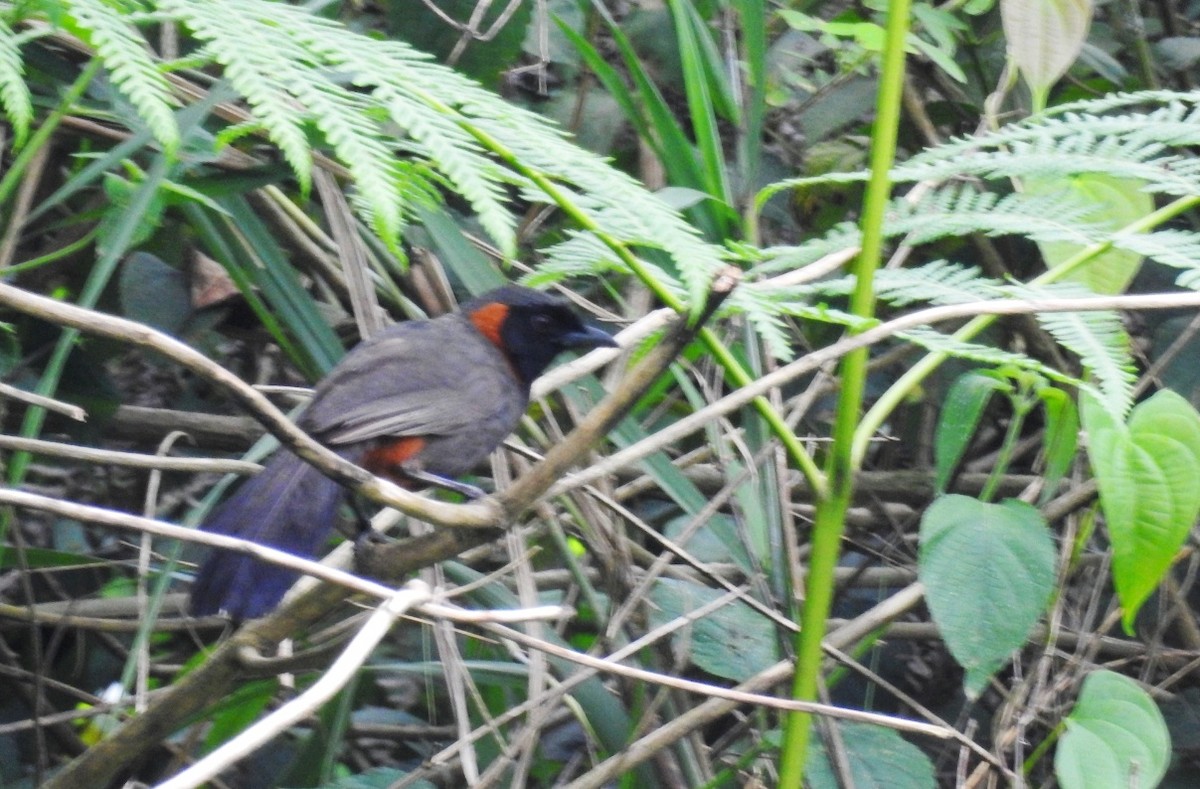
column 288, row 505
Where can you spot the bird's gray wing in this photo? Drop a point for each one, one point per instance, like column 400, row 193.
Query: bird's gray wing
column 428, row 412
column 424, row 379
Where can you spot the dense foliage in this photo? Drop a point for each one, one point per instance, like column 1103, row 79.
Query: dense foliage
column 932, row 464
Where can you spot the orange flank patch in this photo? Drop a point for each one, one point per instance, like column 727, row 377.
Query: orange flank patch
column 488, row 319
column 387, row 459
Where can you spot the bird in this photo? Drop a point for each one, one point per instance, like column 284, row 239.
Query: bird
column 422, row 402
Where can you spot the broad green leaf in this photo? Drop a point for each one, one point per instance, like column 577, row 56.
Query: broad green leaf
column 734, row 642
column 976, row 7
column 716, row 541
column 1116, row 737
column 1149, row 489
column 988, row 571
column 1044, row 37
column 460, row 256
column 944, row 28
column 1117, row 202
column 879, row 759
column 1061, row 435
column 867, row 35
column 964, row 406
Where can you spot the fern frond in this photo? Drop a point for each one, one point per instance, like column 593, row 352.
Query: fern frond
column 763, row 312
column 280, row 57
column 262, row 66
column 123, row 51
column 582, row 254
column 454, row 118
column 932, row 340
column 1175, row 248
column 14, row 93
column 1049, row 157
column 1135, row 145
column 644, row 219
column 955, row 210
column 959, row 210
column 842, row 236
column 936, row 283
column 1096, row 337
column 1124, row 101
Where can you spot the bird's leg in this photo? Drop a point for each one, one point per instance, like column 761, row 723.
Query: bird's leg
column 362, row 519
column 445, row 483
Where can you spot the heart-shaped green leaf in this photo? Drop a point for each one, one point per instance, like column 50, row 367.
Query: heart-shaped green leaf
column 988, row 571
column 1149, row 489
column 1116, row 737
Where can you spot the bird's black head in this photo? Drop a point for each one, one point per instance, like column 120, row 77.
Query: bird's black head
column 531, row 327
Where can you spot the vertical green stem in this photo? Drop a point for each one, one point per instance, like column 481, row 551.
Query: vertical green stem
column 1021, row 408
column 831, row 508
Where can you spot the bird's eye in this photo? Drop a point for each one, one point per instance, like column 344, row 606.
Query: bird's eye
column 542, row 323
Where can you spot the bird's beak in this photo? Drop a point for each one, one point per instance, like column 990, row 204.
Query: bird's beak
column 588, row 337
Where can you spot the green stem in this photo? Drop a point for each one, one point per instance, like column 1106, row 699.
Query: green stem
column 831, row 509
column 1042, row 748
column 1021, row 409
column 900, row 390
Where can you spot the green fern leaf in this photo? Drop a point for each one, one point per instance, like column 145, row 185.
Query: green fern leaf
column 123, row 51
column 1067, row 142
column 937, row 282
column 1175, row 248
column 960, row 210
column 843, row 236
column 932, row 340
column 14, row 93
column 762, row 311
column 1097, row 338
column 282, row 59
column 260, row 65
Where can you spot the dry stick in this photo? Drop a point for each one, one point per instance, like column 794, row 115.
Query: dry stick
column 190, row 695
column 49, row 403
column 123, row 520
column 114, row 457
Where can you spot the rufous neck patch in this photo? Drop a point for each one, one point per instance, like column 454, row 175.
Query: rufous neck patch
column 488, row 320
column 388, row 458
